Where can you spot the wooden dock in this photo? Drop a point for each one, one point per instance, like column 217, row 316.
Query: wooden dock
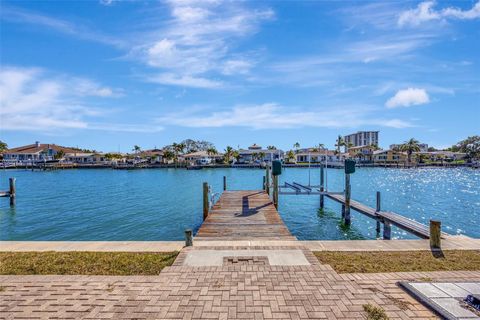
column 244, row 215
column 409, row 225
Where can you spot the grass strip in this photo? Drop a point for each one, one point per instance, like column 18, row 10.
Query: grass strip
column 85, row 263
column 401, row 261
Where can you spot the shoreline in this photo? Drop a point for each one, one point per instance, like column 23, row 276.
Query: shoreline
column 246, row 166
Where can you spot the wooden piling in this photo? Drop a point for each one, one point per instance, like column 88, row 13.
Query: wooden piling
column 264, row 184
column 378, row 209
column 387, row 230
column 322, row 188
column 267, row 179
column 188, row 238
column 205, row 201
column 275, row 191
column 224, row 183
column 347, row 199
column 12, row 191
column 435, row 234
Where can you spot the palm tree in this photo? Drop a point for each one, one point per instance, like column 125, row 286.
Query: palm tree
column 272, row 148
column 347, row 146
column 212, row 151
column 296, row 146
column 228, row 154
column 136, row 149
column 261, row 156
column 59, row 155
column 236, row 155
column 410, row 147
column 169, row 155
column 321, row 146
column 3, row 146
column 375, row 147
column 178, row 148
column 290, row 155
column 340, row 143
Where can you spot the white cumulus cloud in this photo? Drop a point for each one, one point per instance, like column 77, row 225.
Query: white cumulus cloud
column 198, row 43
column 408, row 97
column 425, row 11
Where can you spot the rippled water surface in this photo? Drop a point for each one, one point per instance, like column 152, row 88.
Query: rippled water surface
column 158, row 204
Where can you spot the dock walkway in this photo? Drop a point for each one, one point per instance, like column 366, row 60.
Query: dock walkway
column 244, row 215
column 396, row 219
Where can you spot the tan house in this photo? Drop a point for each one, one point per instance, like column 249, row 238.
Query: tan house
column 85, row 157
column 389, row 156
column 152, row 155
column 362, row 153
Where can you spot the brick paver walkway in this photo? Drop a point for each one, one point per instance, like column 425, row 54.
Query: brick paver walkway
column 233, row 291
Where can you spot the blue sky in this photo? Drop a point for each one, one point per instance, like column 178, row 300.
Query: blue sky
column 107, row 75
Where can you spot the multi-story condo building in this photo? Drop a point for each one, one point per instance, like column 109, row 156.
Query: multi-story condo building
column 362, row 138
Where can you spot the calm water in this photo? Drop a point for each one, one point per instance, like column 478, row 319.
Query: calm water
column 159, row 204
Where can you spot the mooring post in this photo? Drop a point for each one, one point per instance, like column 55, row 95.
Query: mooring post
column 188, row 238
column 205, row 201
column 435, row 232
column 347, row 199
column 264, row 183
column 378, row 210
column 267, row 179
column 387, row 230
column 12, row 191
column 275, row 191
column 322, row 188
column 224, row 183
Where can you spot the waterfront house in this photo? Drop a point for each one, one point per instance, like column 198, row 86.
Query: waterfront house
column 152, row 155
column 256, row 154
column 314, row 155
column 38, row 152
column 389, row 156
column 202, row 158
column 439, row 156
column 362, row 153
column 86, row 158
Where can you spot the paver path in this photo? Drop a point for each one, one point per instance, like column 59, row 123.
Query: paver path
column 236, row 292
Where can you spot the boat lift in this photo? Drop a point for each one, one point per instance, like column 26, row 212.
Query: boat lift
column 296, row 188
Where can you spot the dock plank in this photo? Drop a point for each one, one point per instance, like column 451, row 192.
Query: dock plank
column 244, row 215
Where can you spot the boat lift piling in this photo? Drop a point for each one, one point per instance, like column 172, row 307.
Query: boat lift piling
column 11, row 193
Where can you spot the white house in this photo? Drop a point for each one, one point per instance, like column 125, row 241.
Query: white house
column 202, row 157
column 315, row 156
column 256, row 153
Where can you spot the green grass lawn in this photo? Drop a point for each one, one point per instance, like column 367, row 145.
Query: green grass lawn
column 85, row 263
column 401, row 261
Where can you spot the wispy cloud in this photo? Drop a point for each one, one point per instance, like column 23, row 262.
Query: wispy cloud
column 274, row 116
column 425, row 11
column 408, row 97
column 196, row 43
column 33, row 99
column 18, row 15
